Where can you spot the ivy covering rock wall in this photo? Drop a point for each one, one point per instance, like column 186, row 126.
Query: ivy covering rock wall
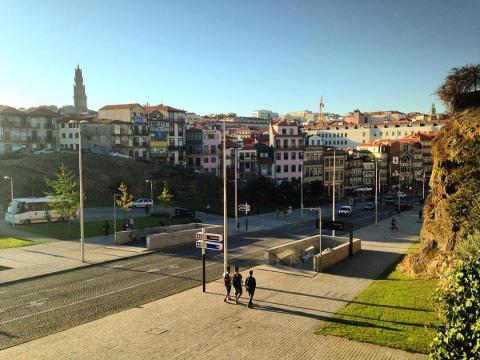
column 452, row 209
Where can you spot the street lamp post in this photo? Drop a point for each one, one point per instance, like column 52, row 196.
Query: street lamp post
column 237, row 224
column 151, row 194
column 334, row 190
column 225, row 224
column 11, row 192
column 80, row 173
column 376, row 192
column 301, row 188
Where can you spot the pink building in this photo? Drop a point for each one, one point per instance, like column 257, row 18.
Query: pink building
column 288, row 140
column 211, row 152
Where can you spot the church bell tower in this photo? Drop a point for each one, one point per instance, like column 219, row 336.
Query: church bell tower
column 79, row 96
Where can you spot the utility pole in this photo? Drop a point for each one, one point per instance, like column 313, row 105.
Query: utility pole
column 225, row 224
column 203, row 260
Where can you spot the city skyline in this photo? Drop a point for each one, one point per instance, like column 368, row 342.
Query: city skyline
column 204, row 60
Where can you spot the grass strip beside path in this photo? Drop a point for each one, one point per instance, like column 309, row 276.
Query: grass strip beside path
column 395, row 311
column 7, row 242
column 71, row 231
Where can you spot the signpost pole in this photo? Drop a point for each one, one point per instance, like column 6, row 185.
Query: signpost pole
column 203, row 260
column 350, row 246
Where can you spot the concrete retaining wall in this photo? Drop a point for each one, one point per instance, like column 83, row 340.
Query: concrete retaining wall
column 123, row 237
column 332, row 256
column 290, row 253
column 180, row 236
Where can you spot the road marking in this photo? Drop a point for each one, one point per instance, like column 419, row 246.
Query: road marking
column 119, row 290
column 30, row 304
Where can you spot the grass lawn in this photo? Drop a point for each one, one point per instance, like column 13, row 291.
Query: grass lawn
column 65, row 231
column 395, row 311
column 7, row 242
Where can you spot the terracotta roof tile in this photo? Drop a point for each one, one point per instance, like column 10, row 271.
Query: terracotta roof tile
column 120, row 106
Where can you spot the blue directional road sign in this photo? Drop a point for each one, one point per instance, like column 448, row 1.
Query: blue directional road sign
column 210, row 245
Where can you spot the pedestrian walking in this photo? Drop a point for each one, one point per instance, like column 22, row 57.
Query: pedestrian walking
column 147, row 209
column 393, row 224
column 207, row 209
column 130, row 223
column 420, row 214
column 250, row 285
column 227, row 279
column 237, row 284
column 290, row 210
column 277, row 212
column 106, row 228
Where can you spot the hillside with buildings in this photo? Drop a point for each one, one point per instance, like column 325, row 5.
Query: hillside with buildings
column 101, row 177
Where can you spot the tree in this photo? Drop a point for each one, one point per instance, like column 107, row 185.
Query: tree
column 166, row 199
column 65, row 194
column 125, row 201
column 459, row 81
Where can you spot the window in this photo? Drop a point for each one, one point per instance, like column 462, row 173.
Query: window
column 63, row 136
column 284, row 131
column 279, row 169
column 285, row 168
column 291, row 131
column 293, row 168
column 213, row 160
column 70, row 136
column 294, row 156
column 278, row 156
column 285, row 156
column 205, row 160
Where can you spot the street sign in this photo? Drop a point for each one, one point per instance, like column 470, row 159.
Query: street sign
column 244, row 207
column 210, row 245
column 209, row 236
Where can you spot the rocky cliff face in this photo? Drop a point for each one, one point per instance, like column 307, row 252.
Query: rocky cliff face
column 452, row 209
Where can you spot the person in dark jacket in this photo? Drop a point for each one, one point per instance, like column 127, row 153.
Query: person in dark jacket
column 237, row 284
column 106, row 228
column 250, row 285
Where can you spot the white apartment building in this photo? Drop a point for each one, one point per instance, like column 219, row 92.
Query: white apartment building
column 265, row 114
column 350, row 135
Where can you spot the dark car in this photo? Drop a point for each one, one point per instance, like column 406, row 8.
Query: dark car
column 369, row 206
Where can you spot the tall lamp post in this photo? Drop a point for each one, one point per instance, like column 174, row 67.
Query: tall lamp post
column 334, row 190
column 151, row 194
column 237, row 224
column 225, row 224
column 376, row 192
column 11, row 192
column 301, row 187
column 80, row 173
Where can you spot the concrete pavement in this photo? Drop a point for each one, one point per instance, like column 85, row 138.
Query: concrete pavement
column 290, row 306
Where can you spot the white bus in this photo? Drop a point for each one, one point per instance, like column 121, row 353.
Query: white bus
column 30, row 210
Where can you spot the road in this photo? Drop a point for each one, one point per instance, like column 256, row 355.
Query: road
column 38, row 307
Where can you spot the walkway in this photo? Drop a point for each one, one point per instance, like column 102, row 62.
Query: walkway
column 290, row 306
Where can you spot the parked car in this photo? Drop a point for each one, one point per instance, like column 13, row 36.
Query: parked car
column 66, row 150
column 369, row 206
column 345, row 211
column 141, row 203
column 115, row 154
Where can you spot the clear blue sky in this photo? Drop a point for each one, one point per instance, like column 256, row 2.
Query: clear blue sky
column 236, row 56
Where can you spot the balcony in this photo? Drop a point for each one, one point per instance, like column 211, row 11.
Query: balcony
column 290, row 147
column 176, row 147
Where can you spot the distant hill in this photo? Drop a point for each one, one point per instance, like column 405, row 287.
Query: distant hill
column 101, row 177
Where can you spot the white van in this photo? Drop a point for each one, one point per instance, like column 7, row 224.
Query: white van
column 30, row 210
